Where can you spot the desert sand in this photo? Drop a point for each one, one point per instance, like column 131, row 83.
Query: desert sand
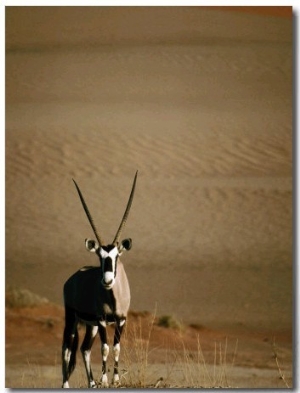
column 199, row 100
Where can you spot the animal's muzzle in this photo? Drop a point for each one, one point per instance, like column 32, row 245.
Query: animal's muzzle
column 108, row 279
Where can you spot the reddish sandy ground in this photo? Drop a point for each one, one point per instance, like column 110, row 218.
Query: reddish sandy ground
column 241, row 358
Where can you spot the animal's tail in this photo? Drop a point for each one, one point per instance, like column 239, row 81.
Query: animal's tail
column 74, row 347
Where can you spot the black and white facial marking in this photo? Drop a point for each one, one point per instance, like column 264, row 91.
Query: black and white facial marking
column 109, row 256
column 108, row 260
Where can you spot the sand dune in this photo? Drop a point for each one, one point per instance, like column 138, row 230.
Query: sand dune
column 207, row 124
column 200, row 102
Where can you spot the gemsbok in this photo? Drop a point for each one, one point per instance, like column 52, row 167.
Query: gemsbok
column 97, row 296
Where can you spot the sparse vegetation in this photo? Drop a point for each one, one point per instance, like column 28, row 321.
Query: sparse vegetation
column 136, row 353
column 169, row 321
column 18, row 297
column 182, row 368
column 280, row 372
column 151, row 356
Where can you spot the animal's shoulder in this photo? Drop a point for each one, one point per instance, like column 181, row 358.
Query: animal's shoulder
column 85, row 268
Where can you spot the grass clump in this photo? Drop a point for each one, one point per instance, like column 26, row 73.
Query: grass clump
column 18, row 297
column 168, row 321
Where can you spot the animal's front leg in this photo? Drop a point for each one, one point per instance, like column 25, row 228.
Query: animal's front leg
column 104, row 352
column 91, row 332
column 117, row 337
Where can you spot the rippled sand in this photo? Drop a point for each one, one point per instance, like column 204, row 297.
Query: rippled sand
column 200, row 102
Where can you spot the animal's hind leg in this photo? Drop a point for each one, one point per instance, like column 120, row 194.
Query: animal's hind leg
column 69, row 345
column 90, row 334
column 116, row 348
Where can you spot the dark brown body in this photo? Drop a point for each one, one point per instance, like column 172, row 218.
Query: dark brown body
column 84, row 294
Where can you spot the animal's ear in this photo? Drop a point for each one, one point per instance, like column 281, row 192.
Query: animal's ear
column 91, row 245
column 126, row 244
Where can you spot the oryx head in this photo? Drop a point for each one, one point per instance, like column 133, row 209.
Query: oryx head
column 108, row 254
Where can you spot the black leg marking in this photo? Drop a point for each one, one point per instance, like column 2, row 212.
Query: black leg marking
column 118, row 330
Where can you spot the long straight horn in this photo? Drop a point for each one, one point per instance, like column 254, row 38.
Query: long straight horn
column 88, row 214
column 123, row 222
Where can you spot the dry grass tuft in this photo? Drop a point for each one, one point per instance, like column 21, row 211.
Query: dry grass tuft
column 169, row 321
column 280, row 372
column 18, row 297
column 183, row 367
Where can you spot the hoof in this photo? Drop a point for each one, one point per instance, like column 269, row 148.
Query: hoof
column 104, row 381
column 116, row 380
